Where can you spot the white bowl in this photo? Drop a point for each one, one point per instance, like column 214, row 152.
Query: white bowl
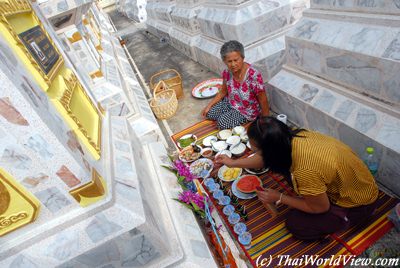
column 244, row 137
column 238, row 150
column 233, row 140
column 224, row 134
column 207, row 140
column 204, row 150
column 239, row 130
column 225, row 152
column 219, row 146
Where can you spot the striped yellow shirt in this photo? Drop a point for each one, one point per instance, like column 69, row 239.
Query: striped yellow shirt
column 323, row 164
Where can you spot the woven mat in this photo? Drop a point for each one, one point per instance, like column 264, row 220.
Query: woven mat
column 271, row 238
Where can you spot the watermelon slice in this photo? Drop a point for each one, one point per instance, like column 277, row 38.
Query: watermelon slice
column 248, row 183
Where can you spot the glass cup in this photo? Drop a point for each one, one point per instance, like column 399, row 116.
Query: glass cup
column 218, row 194
column 212, row 186
column 224, row 200
column 234, row 218
column 209, row 182
column 240, row 228
column 245, row 240
column 228, row 210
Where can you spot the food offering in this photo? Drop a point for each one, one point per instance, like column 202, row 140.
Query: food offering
column 207, row 152
column 202, row 168
column 207, row 89
column 229, row 174
column 239, row 130
column 186, row 140
column 190, row 153
column 248, row 184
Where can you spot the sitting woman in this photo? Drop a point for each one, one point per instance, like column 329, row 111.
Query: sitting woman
column 334, row 187
column 242, row 97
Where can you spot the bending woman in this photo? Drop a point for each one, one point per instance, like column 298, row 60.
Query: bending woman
column 242, row 97
column 334, row 187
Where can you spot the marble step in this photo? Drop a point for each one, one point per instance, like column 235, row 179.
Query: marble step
column 371, row 6
column 363, row 58
column 317, row 104
column 250, row 22
column 160, row 10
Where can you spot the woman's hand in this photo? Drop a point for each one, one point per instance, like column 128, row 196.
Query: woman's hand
column 205, row 111
column 224, row 160
column 268, row 196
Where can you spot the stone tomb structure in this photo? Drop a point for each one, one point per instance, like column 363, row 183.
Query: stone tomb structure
column 199, row 28
column 342, row 78
column 82, row 185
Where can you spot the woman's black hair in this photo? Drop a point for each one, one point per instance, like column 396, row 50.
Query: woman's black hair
column 274, row 139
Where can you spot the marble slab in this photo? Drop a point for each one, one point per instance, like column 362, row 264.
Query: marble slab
column 356, row 122
column 370, row 6
column 360, row 57
column 264, row 18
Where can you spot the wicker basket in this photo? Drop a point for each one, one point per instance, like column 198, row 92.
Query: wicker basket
column 172, row 78
column 164, row 103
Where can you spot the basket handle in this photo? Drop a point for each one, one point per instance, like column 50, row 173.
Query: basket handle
column 160, row 87
column 160, row 73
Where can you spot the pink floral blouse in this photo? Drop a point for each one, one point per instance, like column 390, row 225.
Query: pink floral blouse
column 243, row 96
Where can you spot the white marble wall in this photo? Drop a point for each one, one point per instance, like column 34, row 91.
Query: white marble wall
column 259, row 25
column 133, row 9
column 370, row 6
column 341, row 78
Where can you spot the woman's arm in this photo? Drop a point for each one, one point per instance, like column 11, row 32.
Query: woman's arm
column 255, row 161
column 221, row 94
column 310, row 203
column 263, row 101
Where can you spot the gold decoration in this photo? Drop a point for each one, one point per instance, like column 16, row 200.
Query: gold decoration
column 90, row 192
column 74, row 88
column 19, row 208
column 9, row 12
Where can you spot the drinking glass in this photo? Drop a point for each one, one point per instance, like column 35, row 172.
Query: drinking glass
column 224, row 200
column 218, row 194
column 228, row 210
column 234, row 218
column 245, row 240
column 212, row 186
column 240, row 228
column 209, row 182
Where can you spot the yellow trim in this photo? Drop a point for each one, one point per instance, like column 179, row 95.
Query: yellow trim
column 22, row 208
column 90, row 192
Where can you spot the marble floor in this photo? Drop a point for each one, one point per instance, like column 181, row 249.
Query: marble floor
column 152, row 55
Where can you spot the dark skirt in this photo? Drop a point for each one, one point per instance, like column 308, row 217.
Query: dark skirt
column 307, row 226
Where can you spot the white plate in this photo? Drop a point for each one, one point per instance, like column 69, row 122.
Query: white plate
column 207, row 140
column 188, row 161
column 221, row 173
column 239, row 194
column 202, row 173
column 186, row 137
column 207, row 89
